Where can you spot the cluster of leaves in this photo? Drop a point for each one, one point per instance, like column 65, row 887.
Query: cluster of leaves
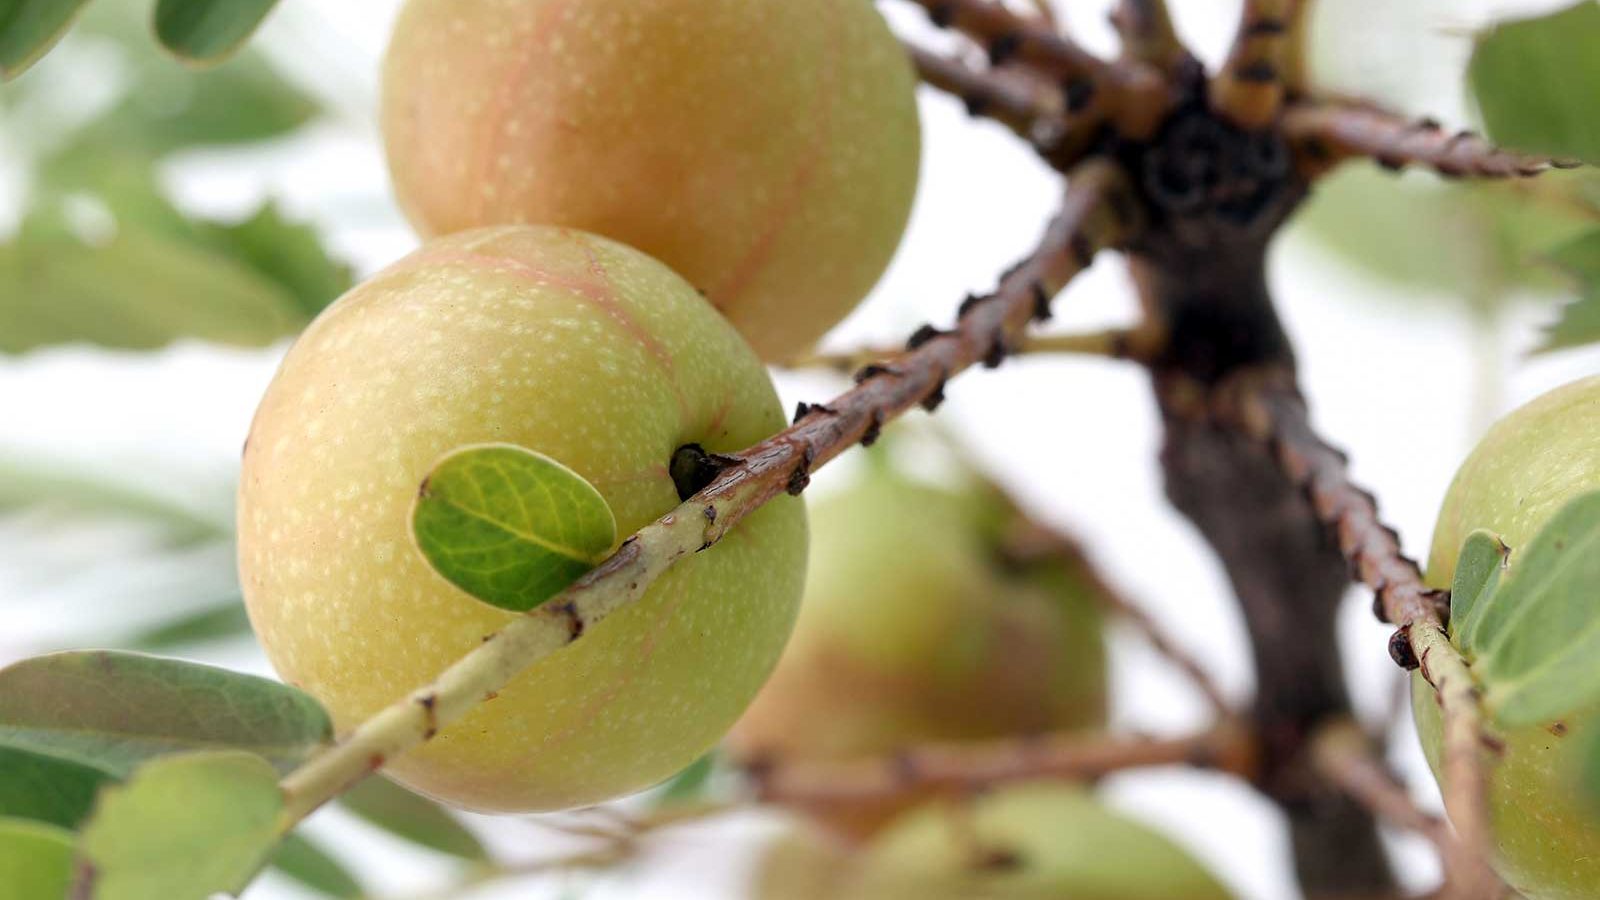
column 197, row 31
column 1533, row 82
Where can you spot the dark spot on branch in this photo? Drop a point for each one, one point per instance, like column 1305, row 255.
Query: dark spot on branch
column 711, row 514
column 430, row 715
column 800, row 478
column 375, row 762
column 1082, row 250
column 1268, row 27
column 935, row 398
column 976, row 104
column 998, row 351
column 874, row 429
column 693, row 469
column 1079, row 93
column 942, row 15
column 575, row 625
column 923, row 335
column 967, row 305
column 1004, row 48
column 1558, row 729
column 422, row 489
column 873, row 370
column 1401, row 652
column 1258, row 72
column 1041, row 303
column 804, row 409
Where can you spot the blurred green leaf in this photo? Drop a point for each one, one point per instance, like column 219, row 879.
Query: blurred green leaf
column 138, row 290
column 208, row 30
column 1478, row 569
column 1537, row 82
column 48, row 788
column 32, row 479
column 305, row 862
column 1469, row 241
column 510, row 526
column 417, row 819
column 114, row 710
column 1580, row 319
column 1538, row 632
column 288, row 253
column 227, row 619
column 184, row 828
column 29, row 28
column 35, row 860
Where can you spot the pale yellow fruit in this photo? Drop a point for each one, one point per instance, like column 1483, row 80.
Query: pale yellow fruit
column 1528, row 466
column 1024, row 842
column 765, row 149
column 564, row 343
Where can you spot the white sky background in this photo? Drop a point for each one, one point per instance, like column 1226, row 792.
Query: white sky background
column 1389, row 377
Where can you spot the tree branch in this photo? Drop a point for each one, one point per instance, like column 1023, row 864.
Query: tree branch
column 1325, row 133
column 971, row 766
column 1090, row 219
column 1145, row 28
column 1034, row 541
column 1112, row 343
column 1134, row 96
column 1272, row 411
column 1344, row 755
column 1249, row 89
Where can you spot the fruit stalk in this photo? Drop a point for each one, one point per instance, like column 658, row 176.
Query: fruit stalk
column 986, row 329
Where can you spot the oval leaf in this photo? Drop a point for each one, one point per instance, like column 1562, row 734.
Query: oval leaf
column 183, row 828
column 1483, row 558
column 29, row 28
column 35, row 859
column 113, row 710
column 510, row 526
column 417, row 819
column 1536, row 81
column 206, row 31
column 310, row 865
column 48, row 788
column 1538, row 634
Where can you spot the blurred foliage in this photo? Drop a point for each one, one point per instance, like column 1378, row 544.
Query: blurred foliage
column 102, row 254
column 394, row 809
column 306, row 862
column 1580, row 321
column 1537, row 83
column 197, row 31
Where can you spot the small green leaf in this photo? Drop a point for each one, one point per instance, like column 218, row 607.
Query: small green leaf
column 288, row 253
column 35, row 860
column 689, row 784
column 417, row 819
column 114, row 710
column 183, row 828
column 1537, row 81
column 48, row 788
column 1580, row 320
column 208, row 30
column 29, row 28
column 1538, row 633
column 212, row 623
column 307, row 863
column 510, row 526
column 1478, row 568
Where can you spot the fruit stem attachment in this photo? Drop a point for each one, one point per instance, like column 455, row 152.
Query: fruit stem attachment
column 985, row 331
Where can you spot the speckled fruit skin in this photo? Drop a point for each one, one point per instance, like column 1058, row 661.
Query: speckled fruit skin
column 565, row 343
column 1038, row 842
column 765, row 149
column 1528, row 466
column 911, row 630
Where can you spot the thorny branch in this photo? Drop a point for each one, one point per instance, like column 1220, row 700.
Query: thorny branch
column 966, row 767
column 986, row 330
column 1273, row 412
column 1111, row 343
column 1325, row 133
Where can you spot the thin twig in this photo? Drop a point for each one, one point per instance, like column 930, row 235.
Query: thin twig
column 1270, row 409
column 1145, row 28
column 1297, row 51
column 961, row 768
column 1249, row 89
column 1034, row 541
column 1344, row 755
column 1132, row 95
column 1325, row 133
column 1027, row 106
column 1112, row 343
column 1090, row 219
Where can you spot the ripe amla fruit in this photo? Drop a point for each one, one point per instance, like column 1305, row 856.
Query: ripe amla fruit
column 1528, row 466
column 765, row 149
column 564, row 343
column 1039, row 841
column 914, row 628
